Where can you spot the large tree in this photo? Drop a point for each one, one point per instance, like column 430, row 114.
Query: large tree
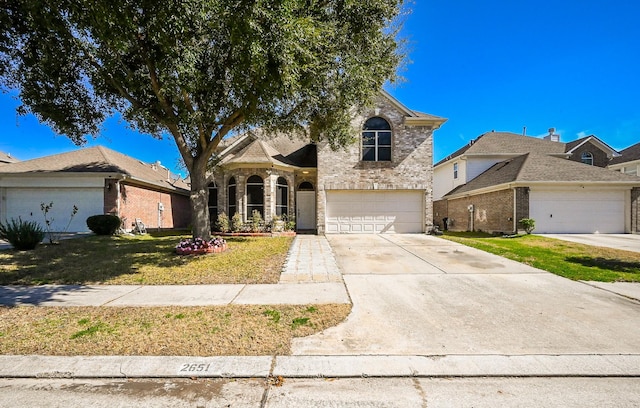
column 198, row 70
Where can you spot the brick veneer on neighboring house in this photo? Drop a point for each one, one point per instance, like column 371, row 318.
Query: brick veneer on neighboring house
column 488, row 212
column 600, row 158
column 143, row 203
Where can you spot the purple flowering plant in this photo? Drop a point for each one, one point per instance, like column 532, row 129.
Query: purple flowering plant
column 199, row 245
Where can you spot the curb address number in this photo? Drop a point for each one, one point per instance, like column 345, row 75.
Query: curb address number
column 194, row 368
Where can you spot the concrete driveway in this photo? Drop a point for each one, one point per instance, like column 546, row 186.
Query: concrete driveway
column 627, row 242
column 422, row 295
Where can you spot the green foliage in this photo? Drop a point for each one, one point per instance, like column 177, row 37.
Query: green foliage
column 236, row 222
column 257, row 223
column 22, row 235
column 290, row 222
column 199, row 70
column 274, row 315
column 104, row 224
column 299, row 321
column 223, row 222
column 529, row 224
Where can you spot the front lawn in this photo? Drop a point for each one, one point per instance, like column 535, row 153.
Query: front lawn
column 235, row 330
column 571, row 260
column 144, row 260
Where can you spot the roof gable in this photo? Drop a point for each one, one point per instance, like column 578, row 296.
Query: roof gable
column 631, row 153
column 6, row 158
column 576, row 144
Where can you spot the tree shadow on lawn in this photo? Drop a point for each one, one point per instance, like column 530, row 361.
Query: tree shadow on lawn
column 607, row 264
column 90, row 260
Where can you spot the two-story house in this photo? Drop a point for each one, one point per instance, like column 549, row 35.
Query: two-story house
column 381, row 183
column 500, row 178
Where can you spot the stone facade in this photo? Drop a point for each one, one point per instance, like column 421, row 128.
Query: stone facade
column 490, row 212
column 410, row 167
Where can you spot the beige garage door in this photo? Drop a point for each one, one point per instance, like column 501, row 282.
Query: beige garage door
column 25, row 203
column 372, row 212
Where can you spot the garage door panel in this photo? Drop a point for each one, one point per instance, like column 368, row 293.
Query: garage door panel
column 374, row 211
column 585, row 211
column 25, row 203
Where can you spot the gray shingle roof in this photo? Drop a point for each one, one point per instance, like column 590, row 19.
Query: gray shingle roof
column 98, row 159
column 5, row 158
column 507, row 143
column 536, row 167
column 631, row 153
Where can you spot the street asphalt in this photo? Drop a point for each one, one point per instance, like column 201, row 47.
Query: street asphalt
column 427, row 314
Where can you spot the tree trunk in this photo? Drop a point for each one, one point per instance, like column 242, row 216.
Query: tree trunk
column 200, row 224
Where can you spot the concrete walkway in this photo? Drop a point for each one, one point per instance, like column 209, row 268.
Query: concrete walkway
column 423, row 307
column 626, row 242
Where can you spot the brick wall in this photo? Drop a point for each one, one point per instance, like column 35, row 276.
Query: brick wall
column 600, row 158
column 440, row 211
column 635, row 210
column 139, row 202
column 409, row 169
column 522, row 203
column 493, row 212
column 111, row 196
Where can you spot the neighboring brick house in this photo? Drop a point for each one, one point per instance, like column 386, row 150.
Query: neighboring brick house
column 98, row 181
column 500, row 178
column 381, row 183
column 628, row 162
column 6, row 158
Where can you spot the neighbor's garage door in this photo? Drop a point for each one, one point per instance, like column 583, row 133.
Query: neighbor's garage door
column 583, row 211
column 25, row 203
column 374, row 211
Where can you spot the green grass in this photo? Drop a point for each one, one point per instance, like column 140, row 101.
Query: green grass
column 147, row 259
column 570, row 260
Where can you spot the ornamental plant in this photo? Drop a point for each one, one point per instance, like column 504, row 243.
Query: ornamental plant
column 529, row 224
column 22, row 235
column 199, row 245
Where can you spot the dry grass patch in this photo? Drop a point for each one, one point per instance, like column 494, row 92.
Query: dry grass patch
column 147, row 259
column 162, row 331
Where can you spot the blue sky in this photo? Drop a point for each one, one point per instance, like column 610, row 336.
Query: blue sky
column 491, row 65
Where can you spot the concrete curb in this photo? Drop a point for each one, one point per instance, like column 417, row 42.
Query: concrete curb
column 597, row 365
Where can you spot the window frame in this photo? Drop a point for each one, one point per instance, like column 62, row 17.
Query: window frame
column 455, row 170
column 232, row 199
column 257, row 205
column 282, row 194
column 376, row 133
column 587, row 158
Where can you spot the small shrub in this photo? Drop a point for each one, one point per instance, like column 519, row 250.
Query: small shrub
column 104, row 224
column 22, row 235
column 223, row 222
column 289, row 222
column 257, row 223
column 529, row 224
column 236, row 222
column 54, row 237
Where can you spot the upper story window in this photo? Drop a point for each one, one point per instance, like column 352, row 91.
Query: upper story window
column 376, row 140
column 455, row 170
column 587, row 158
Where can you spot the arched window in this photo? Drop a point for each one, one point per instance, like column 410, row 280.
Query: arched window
column 282, row 197
column 305, row 186
column 213, row 203
column 255, row 195
column 376, row 140
column 587, row 158
column 231, row 196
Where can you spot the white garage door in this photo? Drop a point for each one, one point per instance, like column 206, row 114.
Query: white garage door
column 583, row 211
column 25, row 202
column 374, row 211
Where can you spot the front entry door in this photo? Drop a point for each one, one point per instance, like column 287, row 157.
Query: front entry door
column 306, row 210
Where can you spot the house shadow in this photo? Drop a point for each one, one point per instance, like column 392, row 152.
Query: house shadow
column 605, row 263
column 36, row 295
